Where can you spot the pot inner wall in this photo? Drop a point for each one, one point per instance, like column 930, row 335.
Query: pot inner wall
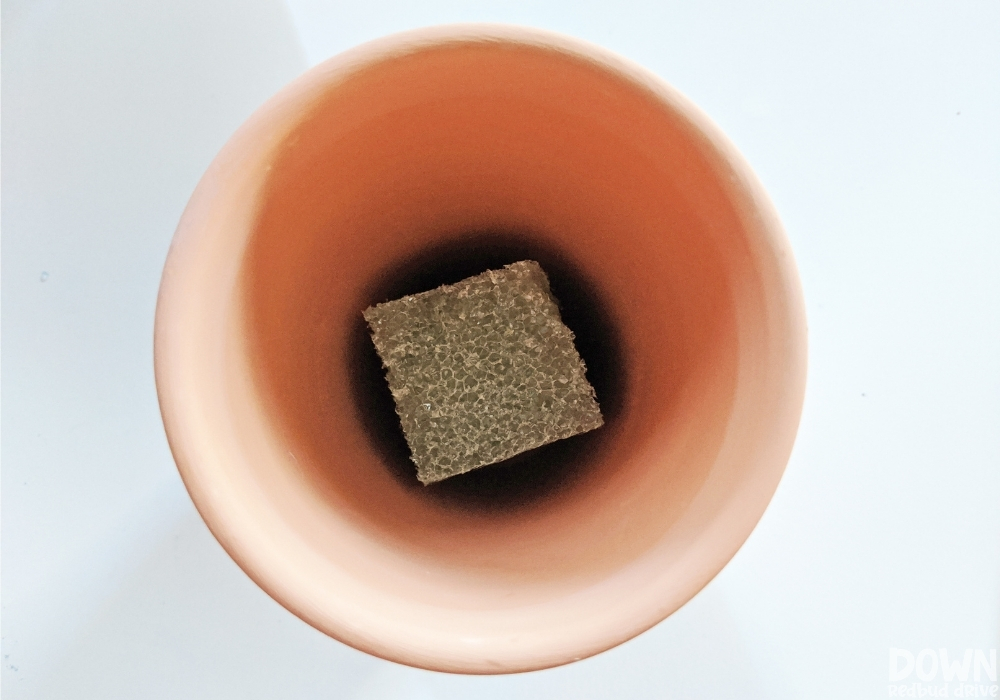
column 413, row 173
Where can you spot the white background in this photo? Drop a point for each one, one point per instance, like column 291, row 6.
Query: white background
column 874, row 125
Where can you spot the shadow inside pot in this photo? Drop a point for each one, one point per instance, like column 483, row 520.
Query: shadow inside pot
column 531, row 476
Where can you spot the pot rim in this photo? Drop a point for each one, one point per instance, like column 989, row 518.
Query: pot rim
column 260, row 136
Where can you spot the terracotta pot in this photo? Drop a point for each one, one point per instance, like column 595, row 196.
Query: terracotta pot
column 420, row 159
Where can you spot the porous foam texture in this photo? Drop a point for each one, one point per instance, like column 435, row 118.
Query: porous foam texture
column 482, row 370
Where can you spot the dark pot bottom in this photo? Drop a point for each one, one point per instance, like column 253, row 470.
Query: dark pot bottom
column 531, row 476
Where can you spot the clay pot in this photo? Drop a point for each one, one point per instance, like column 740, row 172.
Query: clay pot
column 420, row 159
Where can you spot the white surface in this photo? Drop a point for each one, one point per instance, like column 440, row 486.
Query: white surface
column 874, row 127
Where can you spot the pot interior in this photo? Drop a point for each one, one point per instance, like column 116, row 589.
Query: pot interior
column 436, row 163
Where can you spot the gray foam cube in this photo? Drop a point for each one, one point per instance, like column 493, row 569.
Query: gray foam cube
column 482, row 370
